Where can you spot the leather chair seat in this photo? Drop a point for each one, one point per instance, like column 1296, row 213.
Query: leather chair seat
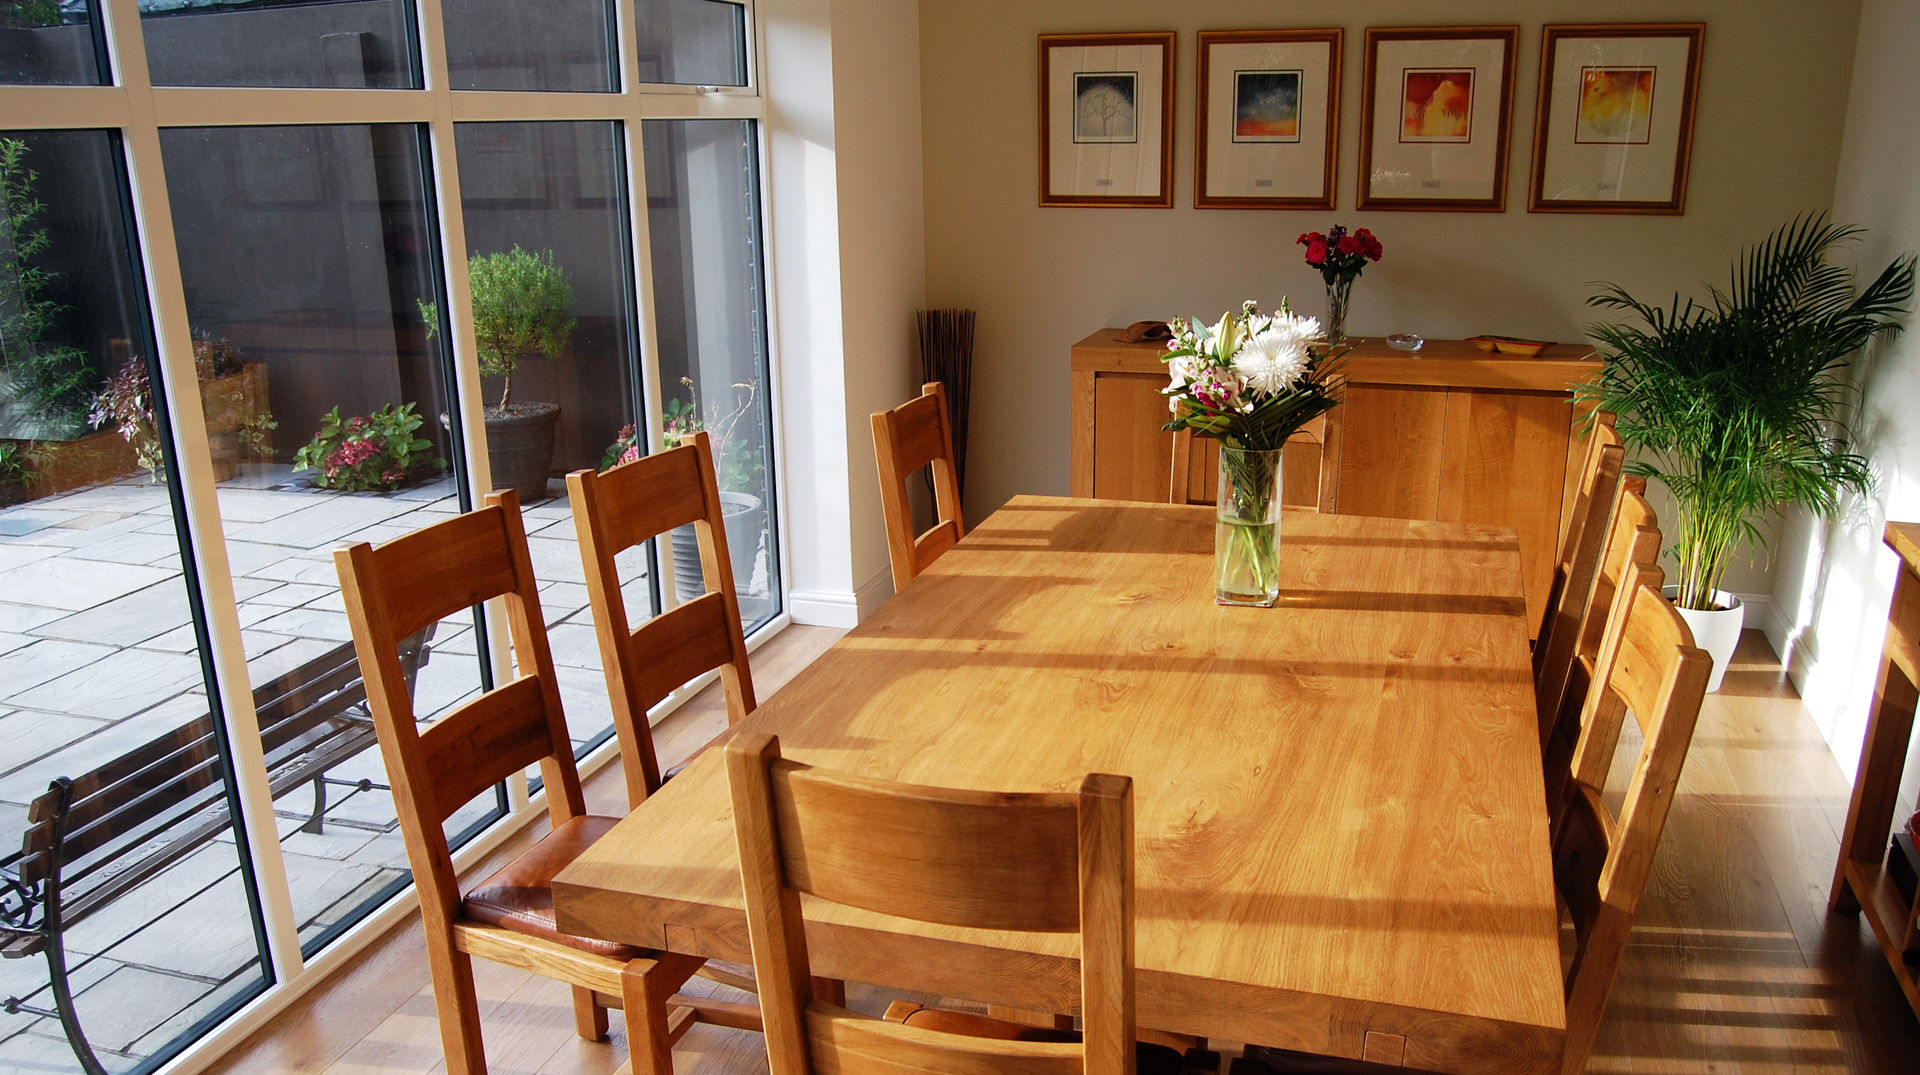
column 1149, row 1058
column 519, row 896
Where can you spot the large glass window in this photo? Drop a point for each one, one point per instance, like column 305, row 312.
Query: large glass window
column 51, row 43
column 305, row 304
column 692, row 42
column 339, row 43
column 100, row 657
column 509, row 45
column 703, row 211
column 307, row 257
column 546, row 234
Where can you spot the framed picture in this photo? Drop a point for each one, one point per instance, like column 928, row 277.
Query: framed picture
column 1268, row 119
column 1614, row 131
column 1436, row 117
column 1106, row 119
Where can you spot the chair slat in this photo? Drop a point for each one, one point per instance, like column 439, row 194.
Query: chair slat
column 484, row 741
column 677, row 645
column 987, row 860
column 444, row 572
column 845, row 1043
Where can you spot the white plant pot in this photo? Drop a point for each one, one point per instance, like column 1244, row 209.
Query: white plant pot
column 1716, row 631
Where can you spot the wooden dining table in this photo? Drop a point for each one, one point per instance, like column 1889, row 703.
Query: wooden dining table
column 1341, row 837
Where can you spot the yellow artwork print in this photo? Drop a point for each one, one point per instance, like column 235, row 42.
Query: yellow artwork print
column 1616, row 105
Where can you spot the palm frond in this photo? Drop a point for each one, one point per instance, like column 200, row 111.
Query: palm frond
column 1738, row 403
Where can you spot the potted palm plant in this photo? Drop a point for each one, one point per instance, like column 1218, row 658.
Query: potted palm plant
column 521, row 309
column 1738, row 403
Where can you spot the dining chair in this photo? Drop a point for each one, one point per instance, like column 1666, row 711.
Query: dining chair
column 1601, row 860
column 1650, row 667
column 1056, row 862
column 916, row 434
column 1191, row 478
column 1560, row 689
column 616, row 510
column 390, row 592
column 1587, row 520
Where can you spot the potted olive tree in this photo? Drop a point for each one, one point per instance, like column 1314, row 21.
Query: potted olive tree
column 1738, row 403
column 521, row 309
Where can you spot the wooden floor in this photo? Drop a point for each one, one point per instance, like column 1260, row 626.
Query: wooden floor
column 1735, row 964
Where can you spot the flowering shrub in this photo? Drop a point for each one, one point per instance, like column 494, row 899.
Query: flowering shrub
column 624, row 449
column 126, row 403
column 739, row 466
column 1339, row 254
column 1251, row 380
column 368, row 451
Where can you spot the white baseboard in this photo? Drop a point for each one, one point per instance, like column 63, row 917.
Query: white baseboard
column 824, row 608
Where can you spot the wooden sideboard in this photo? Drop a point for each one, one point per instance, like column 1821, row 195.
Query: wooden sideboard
column 1448, row 433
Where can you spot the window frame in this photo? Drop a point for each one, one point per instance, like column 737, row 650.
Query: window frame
column 137, row 111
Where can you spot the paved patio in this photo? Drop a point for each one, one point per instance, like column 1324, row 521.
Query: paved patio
column 98, row 655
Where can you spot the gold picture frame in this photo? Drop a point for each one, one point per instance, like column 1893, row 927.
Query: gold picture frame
column 1267, row 119
column 1106, row 120
column 1614, row 129
column 1445, row 94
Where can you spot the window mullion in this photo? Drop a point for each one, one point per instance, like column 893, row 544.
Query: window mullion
column 648, row 321
column 159, row 254
column 469, row 401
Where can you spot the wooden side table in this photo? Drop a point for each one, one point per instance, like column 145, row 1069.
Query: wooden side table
column 1860, row 880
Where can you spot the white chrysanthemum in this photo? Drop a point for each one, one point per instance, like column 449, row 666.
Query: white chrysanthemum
column 1275, row 358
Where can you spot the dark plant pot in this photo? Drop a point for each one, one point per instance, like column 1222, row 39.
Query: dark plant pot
column 745, row 522
column 520, row 448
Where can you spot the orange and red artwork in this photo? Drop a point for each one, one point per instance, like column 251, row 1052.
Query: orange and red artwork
column 1616, row 105
column 1436, row 105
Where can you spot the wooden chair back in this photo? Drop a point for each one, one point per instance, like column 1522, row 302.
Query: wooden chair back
column 616, row 510
column 1560, row 683
column 1308, row 477
column 1587, row 524
column 1650, row 667
column 1054, row 862
column 916, row 434
column 399, row 587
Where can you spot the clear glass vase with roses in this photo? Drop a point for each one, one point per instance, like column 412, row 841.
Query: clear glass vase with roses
column 1250, row 381
column 1340, row 255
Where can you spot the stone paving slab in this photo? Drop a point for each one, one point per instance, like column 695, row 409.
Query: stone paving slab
column 74, row 585
column 124, row 682
column 124, row 1005
column 25, row 668
column 129, row 620
column 22, row 784
column 16, row 618
column 27, row 736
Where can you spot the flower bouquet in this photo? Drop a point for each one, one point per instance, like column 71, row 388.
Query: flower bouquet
column 1249, row 381
column 1339, row 255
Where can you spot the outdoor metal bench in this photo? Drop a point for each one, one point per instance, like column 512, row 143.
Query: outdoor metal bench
column 93, row 837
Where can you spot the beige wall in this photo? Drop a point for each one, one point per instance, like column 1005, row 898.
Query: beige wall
column 1765, row 149
column 1835, row 580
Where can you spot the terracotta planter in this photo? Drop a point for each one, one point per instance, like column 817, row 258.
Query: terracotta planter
column 520, row 448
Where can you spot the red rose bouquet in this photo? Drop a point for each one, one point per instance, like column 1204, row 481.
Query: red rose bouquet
column 1340, row 255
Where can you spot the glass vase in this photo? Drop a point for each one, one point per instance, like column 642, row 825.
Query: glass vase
column 1338, row 293
column 1246, row 529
